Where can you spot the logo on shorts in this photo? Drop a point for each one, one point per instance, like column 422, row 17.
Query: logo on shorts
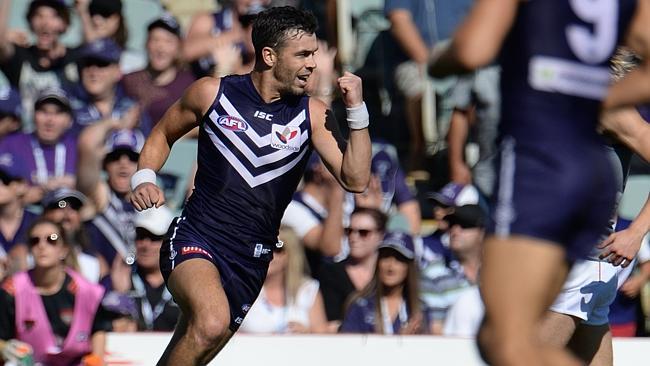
column 285, row 137
column 239, row 319
column 259, row 250
column 195, row 250
column 232, row 123
column 245, row 308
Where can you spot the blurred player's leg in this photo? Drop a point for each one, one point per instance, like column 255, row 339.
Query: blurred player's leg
column 203, row 328
column 593, row 344
column 520, row 278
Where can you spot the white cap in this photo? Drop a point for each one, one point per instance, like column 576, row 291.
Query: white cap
column 155, row 220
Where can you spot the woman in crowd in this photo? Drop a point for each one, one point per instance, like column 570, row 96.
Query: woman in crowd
column 390, row 303
column 290, row 301
column 52, row 307
column 339, row 280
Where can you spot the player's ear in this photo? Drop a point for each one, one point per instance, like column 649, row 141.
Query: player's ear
column 269, row 56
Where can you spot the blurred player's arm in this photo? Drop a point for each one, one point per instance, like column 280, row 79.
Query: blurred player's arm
column 180, row 118
column 477, row 40
column 628, row 127
column 632, row 287
column 349, row 163
column 621, row 247
column 406, row 33
column 459, row 172
column 634, row 88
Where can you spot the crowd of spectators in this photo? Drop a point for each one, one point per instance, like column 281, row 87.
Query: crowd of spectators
column 402, row 257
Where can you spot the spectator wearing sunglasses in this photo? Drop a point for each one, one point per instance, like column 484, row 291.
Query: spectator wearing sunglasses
column 49, row 154
column 111, row 231
column 290, row 301
column 51, row 306
column 156, row 311
column 64, row 206
column 101, row 99
column 341, row 279
column 445, row 279
column 390, row 303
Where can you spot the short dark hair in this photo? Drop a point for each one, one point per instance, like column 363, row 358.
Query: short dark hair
column 274, row 26
column 58, row 5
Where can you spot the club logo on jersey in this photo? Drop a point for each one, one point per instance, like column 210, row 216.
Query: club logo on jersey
column 285, row 137
column 232, row 123
column 260, row 250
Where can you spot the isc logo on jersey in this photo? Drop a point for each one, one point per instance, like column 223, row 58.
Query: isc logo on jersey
column 285, row 137
column 232, row 123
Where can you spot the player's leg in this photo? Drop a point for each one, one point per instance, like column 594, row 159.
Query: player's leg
column 593, row 344
column 520, row 278
column 203, row 329
column 556, row 329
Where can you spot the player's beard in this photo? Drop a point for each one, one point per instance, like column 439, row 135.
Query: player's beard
column 286, row 79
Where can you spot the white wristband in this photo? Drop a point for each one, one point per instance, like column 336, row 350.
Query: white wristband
column 143, row 176
column 358, row 117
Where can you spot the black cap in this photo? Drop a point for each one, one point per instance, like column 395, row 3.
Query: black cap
column 53, row 95
column 105, row 8
column 58, row 6
column 61, row 197
column 467, row 216
column 168, row 23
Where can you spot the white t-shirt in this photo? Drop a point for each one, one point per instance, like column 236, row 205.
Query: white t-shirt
column 465, row 316
column 264, row 317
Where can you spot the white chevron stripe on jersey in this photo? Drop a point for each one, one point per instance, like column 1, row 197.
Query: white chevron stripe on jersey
column 253, row 181
column 250, row 132
column 256, row 160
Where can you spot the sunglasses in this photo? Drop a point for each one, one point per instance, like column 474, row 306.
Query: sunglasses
column 363, row 233
column 143, row 234
column 51, row 239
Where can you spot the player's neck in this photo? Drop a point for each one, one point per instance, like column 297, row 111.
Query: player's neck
column 265, row 84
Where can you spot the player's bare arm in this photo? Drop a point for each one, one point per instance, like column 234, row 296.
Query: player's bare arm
column 634, row 88
column 477, row 40
column 349, row 163
column 621, row 247
column 180, row 118
column 628, row 127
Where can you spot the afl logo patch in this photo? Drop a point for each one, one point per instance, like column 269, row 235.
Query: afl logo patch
column 232, row 123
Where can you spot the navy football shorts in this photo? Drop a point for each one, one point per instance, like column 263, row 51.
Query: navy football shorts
column 563, row 192
column 242, row 276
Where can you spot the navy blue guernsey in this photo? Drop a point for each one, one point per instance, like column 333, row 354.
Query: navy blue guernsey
column 251, row 158
column 555, row 66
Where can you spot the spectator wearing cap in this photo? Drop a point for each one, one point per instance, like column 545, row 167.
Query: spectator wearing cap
column 163, row 81
column 46, row 63
column 435, row 246
column 64, row 206
column 10, row 111
column 444, row 279
column 315, row 213
column 14, row 219
column 220, row 43
column 340, row 279
column 390, row 303
column 101, row 98
column 116, row 152
column 144, row 282
column 49, row 154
